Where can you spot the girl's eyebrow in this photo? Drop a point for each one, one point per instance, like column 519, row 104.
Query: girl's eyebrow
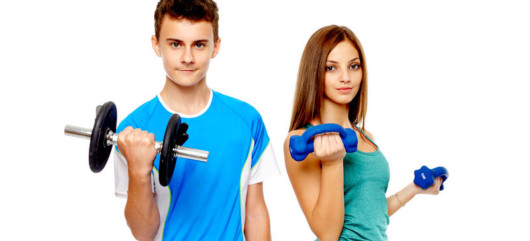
column 334, row 62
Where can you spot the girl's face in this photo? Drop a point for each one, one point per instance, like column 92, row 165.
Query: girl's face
column 343, row 73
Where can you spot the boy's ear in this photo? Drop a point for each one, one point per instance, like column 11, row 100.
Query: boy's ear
column 216, row 47
column 156, row 47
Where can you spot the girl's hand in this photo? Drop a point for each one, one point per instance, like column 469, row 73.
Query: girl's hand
column 329, row 148
column 433, row 190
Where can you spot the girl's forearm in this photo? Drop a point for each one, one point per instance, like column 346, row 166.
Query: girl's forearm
column 327, row 218
column 399, row 199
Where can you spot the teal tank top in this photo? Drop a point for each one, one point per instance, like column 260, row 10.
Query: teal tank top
column 366, row 176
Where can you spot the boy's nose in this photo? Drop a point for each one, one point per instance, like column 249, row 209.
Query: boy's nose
column 187, row 57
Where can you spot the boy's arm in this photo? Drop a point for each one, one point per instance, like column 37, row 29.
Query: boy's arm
column 257, row 224
column 141, row 211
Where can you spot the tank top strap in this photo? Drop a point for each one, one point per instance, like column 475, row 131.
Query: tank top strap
column 307, row 126
column 362, row 132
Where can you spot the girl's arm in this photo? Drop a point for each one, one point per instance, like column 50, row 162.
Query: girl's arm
column 399, row 199
column 318, row 182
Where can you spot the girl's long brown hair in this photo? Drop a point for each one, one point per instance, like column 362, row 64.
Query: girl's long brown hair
column 310, row 84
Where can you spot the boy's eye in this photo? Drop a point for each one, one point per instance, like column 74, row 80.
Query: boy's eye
column 175, row 44
column 200, row 45
column 330, row 68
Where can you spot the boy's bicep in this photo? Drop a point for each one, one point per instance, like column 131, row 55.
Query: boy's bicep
column 255, row 203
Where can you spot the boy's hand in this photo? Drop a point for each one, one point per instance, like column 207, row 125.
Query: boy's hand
column 138, row 148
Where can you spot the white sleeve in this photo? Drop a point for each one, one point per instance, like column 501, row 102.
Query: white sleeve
column 265, row 167
column 121, row 175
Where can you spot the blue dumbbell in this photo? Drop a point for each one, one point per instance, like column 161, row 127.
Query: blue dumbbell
column 424, row 177
column 301, row 146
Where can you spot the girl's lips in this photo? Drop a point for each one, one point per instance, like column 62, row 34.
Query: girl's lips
column 344, row 90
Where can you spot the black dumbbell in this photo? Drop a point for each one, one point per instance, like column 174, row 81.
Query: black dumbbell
column 103, row 137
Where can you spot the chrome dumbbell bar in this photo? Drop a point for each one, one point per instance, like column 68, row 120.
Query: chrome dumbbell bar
column 112, row 139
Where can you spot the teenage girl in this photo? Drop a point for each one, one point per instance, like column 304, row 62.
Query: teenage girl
column 342, row 195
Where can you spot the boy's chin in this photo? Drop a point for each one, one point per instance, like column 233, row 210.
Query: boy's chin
column 185, row 82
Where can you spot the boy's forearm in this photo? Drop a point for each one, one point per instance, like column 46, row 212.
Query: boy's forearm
column 258, row 227
column 141, row 211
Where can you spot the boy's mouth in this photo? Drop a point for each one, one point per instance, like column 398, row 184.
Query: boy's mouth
column 187, row 70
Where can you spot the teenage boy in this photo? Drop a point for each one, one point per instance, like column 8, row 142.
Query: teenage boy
column 218, row 200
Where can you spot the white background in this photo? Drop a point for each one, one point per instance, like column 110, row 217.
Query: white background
column 447, row 86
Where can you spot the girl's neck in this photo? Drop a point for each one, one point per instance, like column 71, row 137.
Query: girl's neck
column 187, row 100
column 331, row 112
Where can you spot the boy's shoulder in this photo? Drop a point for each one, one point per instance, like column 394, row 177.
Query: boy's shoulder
column 238, row 106
column 140, row 115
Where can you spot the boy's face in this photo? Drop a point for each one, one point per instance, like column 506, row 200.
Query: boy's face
column 186, row 49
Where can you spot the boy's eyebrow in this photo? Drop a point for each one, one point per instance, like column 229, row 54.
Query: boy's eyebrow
column 196, row 41
column 173, row 39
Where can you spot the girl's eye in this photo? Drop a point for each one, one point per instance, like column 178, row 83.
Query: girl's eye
column 355, row 66
column 330, row 68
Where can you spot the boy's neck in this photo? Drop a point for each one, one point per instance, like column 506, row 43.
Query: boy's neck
column 186, row 100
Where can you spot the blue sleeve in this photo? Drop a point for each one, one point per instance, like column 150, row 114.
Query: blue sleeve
column 260, row 138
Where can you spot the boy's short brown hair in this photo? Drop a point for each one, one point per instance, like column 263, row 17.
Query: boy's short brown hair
column 193, row 10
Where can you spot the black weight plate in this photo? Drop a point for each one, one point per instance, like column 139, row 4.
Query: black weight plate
column 167, row 156
column 182, row 136
column 99, row 151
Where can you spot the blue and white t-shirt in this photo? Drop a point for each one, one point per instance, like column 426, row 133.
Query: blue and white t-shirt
column 205, row 201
